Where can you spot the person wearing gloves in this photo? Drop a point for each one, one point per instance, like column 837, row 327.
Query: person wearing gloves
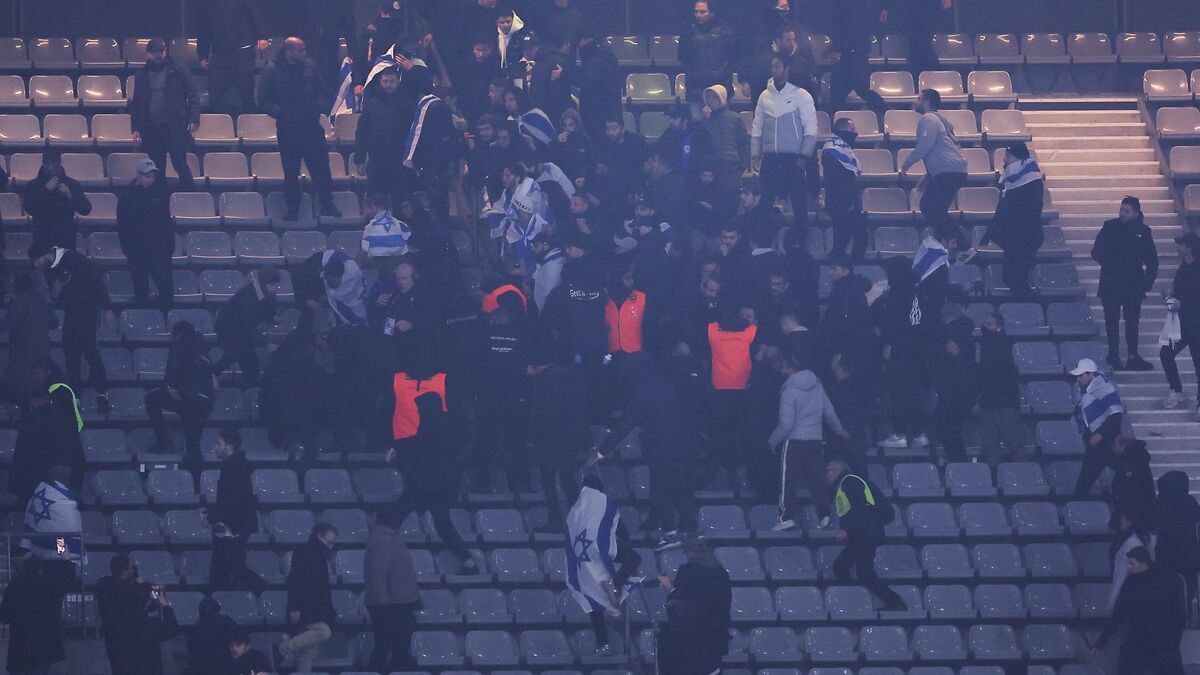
column 1017, row 225
column 1182, row 328
column 803, row 408
column 783, row 138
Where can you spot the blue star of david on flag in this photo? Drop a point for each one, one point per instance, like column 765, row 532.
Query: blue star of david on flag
column 39, row 506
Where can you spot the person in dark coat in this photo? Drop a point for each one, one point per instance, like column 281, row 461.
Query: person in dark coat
column 1017, row 225
column 1128, row 268
column 28, row 322
column 854, row 23
column 403, row 302
column 846, row 327
column 843, row 196
column 237, row 323
column 208, row 640
column 48, row 433
column 1176, row 517
column 433, row 149
column 379, row 139
column 707, row 51
column 131, row 635
column 246, row 661
column 558, row 430
column 956, row 375
column 862, row 514
column 550, row 82
column 296, row 387
column 695, row 636
column 32, row 609
column 147, row 234
column 52, row 199
column 390, row 593
column 501, row 394
column 187, row 389
column 322, row 26
column 164, row 110
column 232, row 517
column 78, row 289
column 1185, row 292
column 917, row 20
column 310, row 611
column 574, row 312
column 1133, row 484
column 292, row 92
column 1151, row 607
column 229, row 34
column 903, row 354
column 999, row 393
column 656, row 408
column 601, row 84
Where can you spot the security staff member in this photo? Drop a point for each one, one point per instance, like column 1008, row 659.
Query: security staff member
column 405, row 419
column 729, row 341
column 624, row 321
column 491, row 299
column 501, row 393
column 862, row 512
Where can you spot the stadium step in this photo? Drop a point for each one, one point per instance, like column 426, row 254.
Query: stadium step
column 1097, row 168
column 1120, row 182
column 1097, row 128
column 1090, row 142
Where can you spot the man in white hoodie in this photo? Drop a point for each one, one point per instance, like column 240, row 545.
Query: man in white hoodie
column 783, row 138
column 803, row 407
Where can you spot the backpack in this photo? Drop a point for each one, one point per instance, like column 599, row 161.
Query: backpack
column 885, row 513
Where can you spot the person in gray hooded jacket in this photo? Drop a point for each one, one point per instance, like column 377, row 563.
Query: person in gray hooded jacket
column 803, row 410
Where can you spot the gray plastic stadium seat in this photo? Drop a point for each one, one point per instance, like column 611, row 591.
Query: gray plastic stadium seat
column 257, row 130
column 277, row 486
column 349, row 565
column 1178, row 124
column 1070, row 319
column 803, row 604
column 227, row 170
column 1000, row 601
column 1139, row 48
column 436, row 648
column 186, row 527
column 194, row 209
column 277, row 208
column 877, row 165
column 948, row 83
column 298, row 246
column 932, row 520
column 101, row 91
column 1093, row 48
column 186, row 605
column 1022, row 479
column 105, row 248
column 328, row 485
column 630, row 50
column 267, row 169
column 210, row 249
column 1044, row 48
column 12, row 92
column 1004, row 126
column 946, row 561
column 884, row 644
column 1034, row 519
column 99, row 445
column 21, row 131
column 1050, row 398
column 122, row 167
column 52, row 53
column 774, row 645
column 894, row 48
column 243, row 209
column 1050, row 561
column 1091, row 600
column 99, row 54
column 158, row 567
column 352, row 524
column 52, row 92
column 501, row 525
column 1182, row 46
column 143, row 325
column 150, row 362
column 546, row 648
column 949, row 603
column 917, row 479
column 986, row 519
column 969, row 479
column 993, row 643
column 377, row 485
column 215, row 130
column 893, row 241
column 171, row 486
column 13, row 55
column 241, row 606
column 648, row 88
column 897, row 561
column 830, row 645
column 103, row 215
column 1059, row 437
column 438, row 606
column 866, row 122
column 66, row 130
column 895, row 87
column 1166, row 86
column 938, row 644
column 23, row 166
column 954, row 49
column 998, row 561
column 348, row 606
column 991, row 86
column 1057, row 280
column 1185, row 163
column 534, row 606
column 289, row 526
column 266, row 565
column 1049, row 601
column 790, row 563
column 723, row 522
column 850, row 603
column 136, row 527
column 998, row 49
column 516, row 565
column 491, row 648
column 741, row 562
column 889, row 204
column 1191, row 200
column 1049, row 642
column 194, row 566
column 272, row 605
column 121, row 486
column 1037, row 358
column 85, row 167
column 979, row 165
column 752, row 605
column 257, row 248
column 1084, row 518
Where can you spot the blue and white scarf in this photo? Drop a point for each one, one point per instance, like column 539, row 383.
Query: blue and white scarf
column 1097, row 403
column 53, row 512
column 418, row 126
column 346, row 300
column 929, row 258
column 385, row 236
column 1020, row 173
column 537, row 125
column 841, row 151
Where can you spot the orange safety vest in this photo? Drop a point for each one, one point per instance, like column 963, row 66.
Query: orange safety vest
column 625, row 323
column 491, row 301
column 406, row 419
column 730, row 356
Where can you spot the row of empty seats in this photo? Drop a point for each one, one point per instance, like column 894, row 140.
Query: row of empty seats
column 113, row 130
column 104, row 54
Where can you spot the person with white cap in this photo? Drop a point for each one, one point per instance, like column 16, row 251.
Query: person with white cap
column 730, row 140
column 1099, row 413
column 147, row 233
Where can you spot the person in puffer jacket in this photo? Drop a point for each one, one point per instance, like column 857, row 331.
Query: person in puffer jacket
column 803, row 408
column 783, row 138
column 730, row 142
column 707, row 50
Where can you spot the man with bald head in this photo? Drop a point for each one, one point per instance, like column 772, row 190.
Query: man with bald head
column 292, row 92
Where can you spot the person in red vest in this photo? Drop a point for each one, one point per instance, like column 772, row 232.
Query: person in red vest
column 624, row 315
column 729, row 340
column 494, row 288
column 422, row 431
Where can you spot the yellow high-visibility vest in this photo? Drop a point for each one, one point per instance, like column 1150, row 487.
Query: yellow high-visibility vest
column 74, row 401
column 842, row 503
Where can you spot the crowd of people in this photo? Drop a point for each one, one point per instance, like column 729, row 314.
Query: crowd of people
column 669, row 287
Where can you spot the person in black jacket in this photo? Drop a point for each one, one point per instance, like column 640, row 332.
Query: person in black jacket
column 187, row 389
column 843, row 197
column 52, row 199
column 1151, row 608
column 131, row 635
column 310, row 612
column 695, row 636
column 955, row 377
column 237, row 323
column 147, row 234
column 165, row 110
column 433, row 150
column 862, row 514
column 999, row 393
column 854, row 22
column 558, row 431
column 601, row 84
column 323, row 24
column 32, row 608
column 846, row 327
column 903, row 354
column 79, row 291
column 232, row 517
column 1133, row 484
column 575, row 310
column 208, row 641
column 917, row 20
column 292, row 92
column 1017, row 224
column 1176, row 518
column 1185, row 290
column 1128, row 267
column 229, row 34
column 1100, row 445
column 706, row 51
column 246, row 661
column 655, row 406
column 48, row 432
column 382, row 130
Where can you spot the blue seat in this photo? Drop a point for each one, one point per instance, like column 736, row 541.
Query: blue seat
column 827, row 644
column 1049, row 642
column 774, row 645
column 1052, row 560
column 186, row 527
column 1049, row 398
column 290, row 526
column 723, row 522
column 272, row 605
column 349, row 607
column 1022, row 479
column 328, row 485
column 917, row 479
column 436, row 648
column 1059, row 438
column 351, row 524
column 950, row 603
column 377, row 485
column 1085, row 518
column 934, row 520
column 1034, row 519
column 1091, row 600
column 741, row 562
column 492, row 648
column 1049, row 601
column 194, row 567
column 897, row 561
column 938, row 644
column 171, row 486
column 348, row 565
column 241, row 606
column 999, row 601
column 484, row 606
column 752, row 605
column 186, row 605
column 119, row 487
column 516, row 565
column 534, row 606
column 946, row 561
column 158, row 567
column 969, row 479
column 1094, row 560
column 1056, row 280
column 501, row 525
column 438, row 606
column 1070, row 320
column 1024, row 319
column 803, row 604
column 546, row 648
column 1037, row 358
column 998, row 561
column 136, row 527
column 277, row 486
column 984, row 519
column 850, row 603
column 993, row 643
column 884, row 644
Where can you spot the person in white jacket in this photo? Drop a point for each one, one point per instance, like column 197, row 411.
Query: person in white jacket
column 783, row 138
column 804, row 408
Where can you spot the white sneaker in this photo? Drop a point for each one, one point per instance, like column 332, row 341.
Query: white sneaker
column 894, row 441
column 825, row 523
column 783, row 525
column 920, row 441
column 1172, row 400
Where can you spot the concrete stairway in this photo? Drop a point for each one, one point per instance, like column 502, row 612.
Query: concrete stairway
column 1092, row 159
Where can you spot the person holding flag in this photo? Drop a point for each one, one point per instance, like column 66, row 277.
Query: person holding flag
column 1099, row 414
column 931, row 265
column 433, row 149
column 600, row 558
column 52, row 512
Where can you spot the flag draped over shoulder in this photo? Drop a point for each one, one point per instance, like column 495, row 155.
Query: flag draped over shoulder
column 382, row 62
column 1019, row 174
column 53, row 509
column 590, row 545
column 929, row 258
column 344, row 100
column 1097, row 403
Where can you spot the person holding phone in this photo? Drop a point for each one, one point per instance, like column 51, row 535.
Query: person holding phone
column 134, row 619
column 52, row 199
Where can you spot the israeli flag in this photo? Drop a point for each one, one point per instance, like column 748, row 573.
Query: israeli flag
column 344, row 101
column 54, row 510
column 382, row 62
column 537, row 125
column 929, row 258
column 1097, row 403
column 590, row 545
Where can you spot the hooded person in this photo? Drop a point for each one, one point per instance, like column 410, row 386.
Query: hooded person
column 898, row 315
column 345, row 288
column 1017, row 224
column 1177, row 515
column 695, row 636
column 730, row 140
